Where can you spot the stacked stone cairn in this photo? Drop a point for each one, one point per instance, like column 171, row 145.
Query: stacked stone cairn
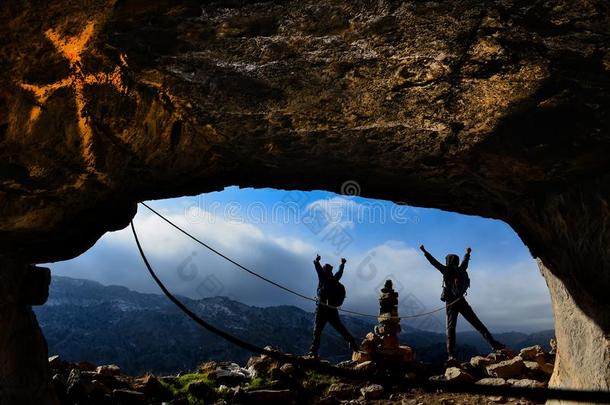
column 382, row 346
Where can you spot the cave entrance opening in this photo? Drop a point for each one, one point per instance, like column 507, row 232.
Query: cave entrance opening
column 278, row 233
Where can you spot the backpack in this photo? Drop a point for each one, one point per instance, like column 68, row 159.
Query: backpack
column 459, row 287
column 335, row 292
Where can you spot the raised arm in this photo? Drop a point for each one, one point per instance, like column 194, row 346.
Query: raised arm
column 465, row 260
column 339, row 273
column 432, row 260
column 318, row 266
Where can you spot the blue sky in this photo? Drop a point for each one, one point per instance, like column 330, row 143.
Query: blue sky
column 278, row 233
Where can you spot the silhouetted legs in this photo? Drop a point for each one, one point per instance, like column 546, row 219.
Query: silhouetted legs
column 330, row 315
column 462, row 307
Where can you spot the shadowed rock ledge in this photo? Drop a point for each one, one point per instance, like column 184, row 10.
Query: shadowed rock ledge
column 496, row 108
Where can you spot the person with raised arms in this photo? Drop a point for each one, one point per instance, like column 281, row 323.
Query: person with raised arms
column 455, row 285
column 331, row 294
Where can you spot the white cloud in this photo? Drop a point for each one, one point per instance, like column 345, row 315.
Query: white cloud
column 514, row 297
column 189, row 269
column 340, row 211
column 504, row 298
column 296, row 246
column 509, row 296
column 164, row 240
column 411, row 274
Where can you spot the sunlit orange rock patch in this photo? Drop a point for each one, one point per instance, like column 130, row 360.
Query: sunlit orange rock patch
column 72, row 49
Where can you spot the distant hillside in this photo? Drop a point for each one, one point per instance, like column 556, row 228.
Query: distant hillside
column 84, row 320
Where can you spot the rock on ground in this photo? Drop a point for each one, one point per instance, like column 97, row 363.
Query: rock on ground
column 492, row 381
column 457, row 375
column 342, row 391
column 506, row 369
column 373, row 391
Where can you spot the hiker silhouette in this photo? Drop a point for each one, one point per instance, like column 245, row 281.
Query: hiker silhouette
column 330, row 292
column 455, row 285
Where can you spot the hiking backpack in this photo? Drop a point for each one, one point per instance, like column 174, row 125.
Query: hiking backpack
column 459, row 287
column 335, row 293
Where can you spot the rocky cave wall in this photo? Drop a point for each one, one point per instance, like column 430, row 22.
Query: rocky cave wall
column 494, row 108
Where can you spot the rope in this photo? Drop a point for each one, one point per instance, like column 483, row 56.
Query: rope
column 313, row 365
column 288, row 289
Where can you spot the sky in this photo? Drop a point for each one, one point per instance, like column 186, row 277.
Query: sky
column 278, row 234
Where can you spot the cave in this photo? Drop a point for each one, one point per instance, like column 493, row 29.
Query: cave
column 497, row 109
column 94, row 310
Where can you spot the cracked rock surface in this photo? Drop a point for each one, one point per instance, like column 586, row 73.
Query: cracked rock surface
column 496, row 108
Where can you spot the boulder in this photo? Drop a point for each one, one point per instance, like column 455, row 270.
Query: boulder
column 360, row 357
column 530, row 353
column 230, row 374
column 342, row 391
column 372, row 392
column 536, row 366
column 97, row 388
column 347, row 364
column 366, row 366
column 531, row 365
column 370, row 342
column 56, row 362
column 208, row 366
column 76, row 390
column 526, row 383
column 492, row 381
column 482, row 362
column 110, row 369
column 288, row 368
column 261, row 366
column 506, row 369
column 91, row 375
column 476, row 372
column 109, row 380
column 500, row 356
column 544, row 369
column 456, row 374
column 148, row 385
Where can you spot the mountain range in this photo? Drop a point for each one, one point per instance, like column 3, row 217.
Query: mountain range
column 85, row 320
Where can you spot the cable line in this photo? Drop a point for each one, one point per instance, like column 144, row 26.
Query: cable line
column 310, row 364
column 602, row 397
column 282, row 287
